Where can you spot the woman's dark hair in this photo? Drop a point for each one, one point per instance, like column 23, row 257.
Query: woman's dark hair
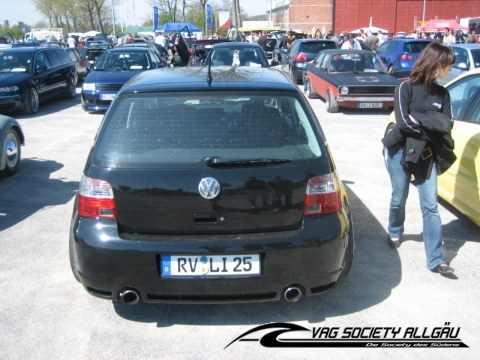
column 433, row 58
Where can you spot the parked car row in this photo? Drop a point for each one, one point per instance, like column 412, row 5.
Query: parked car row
column 222, row 115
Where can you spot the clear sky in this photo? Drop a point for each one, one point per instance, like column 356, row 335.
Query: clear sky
column 24, row 10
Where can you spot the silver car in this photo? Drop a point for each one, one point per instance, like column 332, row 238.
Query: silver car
column 467, row 58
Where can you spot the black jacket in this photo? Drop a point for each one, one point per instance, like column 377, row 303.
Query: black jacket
column 423, row 114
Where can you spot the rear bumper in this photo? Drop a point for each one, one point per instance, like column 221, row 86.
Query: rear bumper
column 310, row 259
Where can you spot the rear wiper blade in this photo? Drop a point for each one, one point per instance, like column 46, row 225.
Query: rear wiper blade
column 218, row 162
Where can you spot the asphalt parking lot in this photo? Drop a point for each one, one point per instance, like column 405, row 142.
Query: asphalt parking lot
column 46, row 314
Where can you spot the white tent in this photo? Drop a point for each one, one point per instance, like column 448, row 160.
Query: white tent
column 373, row 29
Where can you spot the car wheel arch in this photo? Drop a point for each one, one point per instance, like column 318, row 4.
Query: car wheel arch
column 331, row 102
column 11, row 151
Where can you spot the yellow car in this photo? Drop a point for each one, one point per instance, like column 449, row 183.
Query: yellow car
column 459, row 185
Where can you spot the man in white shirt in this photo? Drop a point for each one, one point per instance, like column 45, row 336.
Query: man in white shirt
column 448, row 38
column 160, row 39
column 351, row 43
column 71, row 41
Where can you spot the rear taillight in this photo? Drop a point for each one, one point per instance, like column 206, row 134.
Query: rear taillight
column 300, row 57
column 95, row 199
column 407, row 57
column 323, row 195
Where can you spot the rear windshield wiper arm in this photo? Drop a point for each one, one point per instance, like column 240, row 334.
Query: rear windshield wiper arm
column 217, row 162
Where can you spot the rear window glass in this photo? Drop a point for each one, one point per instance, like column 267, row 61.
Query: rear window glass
column 476, row 57
column 415, row 47
column 181, row 130
column 315, row 47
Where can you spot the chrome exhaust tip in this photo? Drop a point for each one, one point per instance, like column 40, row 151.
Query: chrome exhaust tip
column 292, row 294
column 129, row 296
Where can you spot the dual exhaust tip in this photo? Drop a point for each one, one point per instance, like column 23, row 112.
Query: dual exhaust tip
column 132, row 296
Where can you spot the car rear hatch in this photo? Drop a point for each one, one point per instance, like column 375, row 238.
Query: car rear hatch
column 216, row 165
column 312, row 48
column 250, row 199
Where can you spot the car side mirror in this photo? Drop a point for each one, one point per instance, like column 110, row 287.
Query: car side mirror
column 462, row 66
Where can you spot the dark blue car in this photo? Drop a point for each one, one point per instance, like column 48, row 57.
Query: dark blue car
column 30, row 75
column 112, row 70
column 301, row 51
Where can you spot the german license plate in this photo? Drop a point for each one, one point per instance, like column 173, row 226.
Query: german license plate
column 210, row 265
column 370, row 105
column 107, row 96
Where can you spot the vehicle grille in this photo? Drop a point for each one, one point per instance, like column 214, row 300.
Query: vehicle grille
column 371, row 90
column 109, row 87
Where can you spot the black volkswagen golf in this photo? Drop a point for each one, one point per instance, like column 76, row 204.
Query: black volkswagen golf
column 209, row 186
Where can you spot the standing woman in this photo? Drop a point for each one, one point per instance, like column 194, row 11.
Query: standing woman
column 422, row 112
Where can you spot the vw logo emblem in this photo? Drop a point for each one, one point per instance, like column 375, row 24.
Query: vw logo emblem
column 209, row 188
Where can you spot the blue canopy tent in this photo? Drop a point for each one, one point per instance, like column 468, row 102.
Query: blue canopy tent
column 178, row 27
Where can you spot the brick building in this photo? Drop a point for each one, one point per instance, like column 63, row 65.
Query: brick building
column 340, row 15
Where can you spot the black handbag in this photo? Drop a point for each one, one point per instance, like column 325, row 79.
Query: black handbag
column 417, row 157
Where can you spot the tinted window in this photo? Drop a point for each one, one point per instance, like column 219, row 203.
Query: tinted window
column 461, row 57
column 315, row 47
column 15, row 62
column 462, row 93
column 134, row 60
column 319, row 60
column 74, row 56
column 415, row 47
column 53, row 58
column 41, row 59
column 183, row 129
column 387, row 47
column 476, row 57
column 62, row 54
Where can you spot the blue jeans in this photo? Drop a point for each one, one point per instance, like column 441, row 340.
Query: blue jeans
column 427, row 191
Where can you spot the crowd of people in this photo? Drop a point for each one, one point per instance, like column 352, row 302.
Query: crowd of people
column 369, row 40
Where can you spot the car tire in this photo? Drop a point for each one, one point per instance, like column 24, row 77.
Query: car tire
column 73, row 258
column 311, row 94
column 295, row 81
column 349, row 250
column 71, row 89
column 31, row 103
column 332, row 105
column 12, row 152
